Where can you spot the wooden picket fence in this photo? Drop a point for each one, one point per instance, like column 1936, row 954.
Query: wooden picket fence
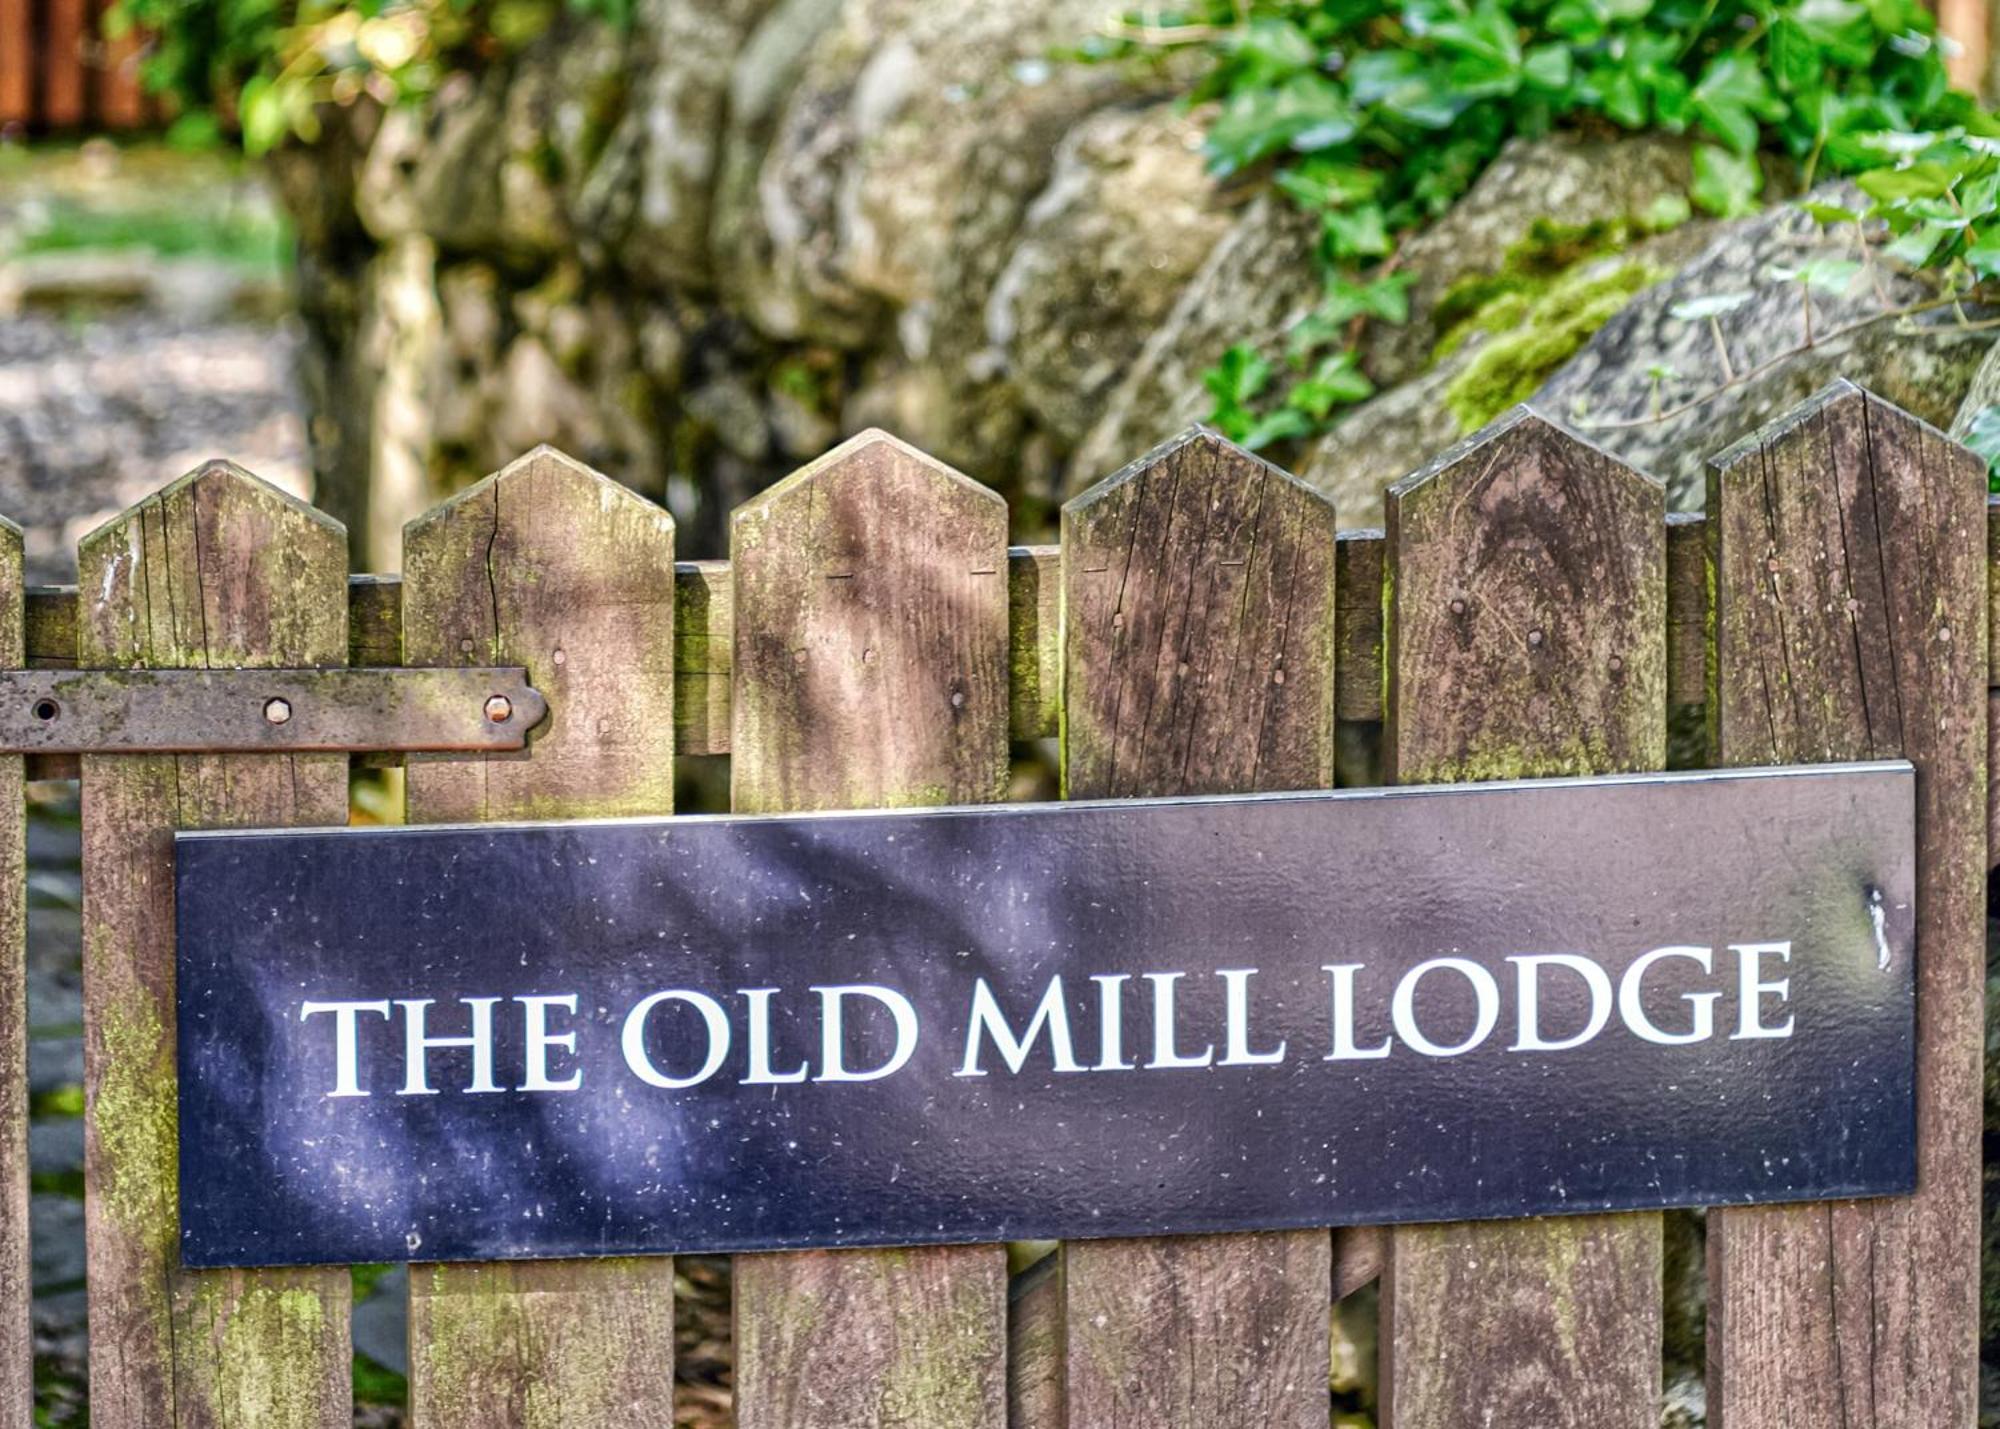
column 1530, row 610
column 59, row 74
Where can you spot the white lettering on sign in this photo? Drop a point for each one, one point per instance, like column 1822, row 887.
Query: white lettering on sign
column 1446, row 1006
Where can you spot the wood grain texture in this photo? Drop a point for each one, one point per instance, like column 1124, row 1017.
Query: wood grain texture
column 17, row 62
column 704, row 640
column 1992, row 589
column 17, row 1368
column 121, row 98
column 870, row 671
column 1198, row 656
column 217, row 570
column 1687, row 609
column 1358, row 666
column 1198, row 651
column 1848, row 543
column 1035, row 1341
column 551, row 566
column 1526, row 637
column 871, row 614
column 1035, row 652
column 65, row 98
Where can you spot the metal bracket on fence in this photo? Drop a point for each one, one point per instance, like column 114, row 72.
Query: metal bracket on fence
column 266, row 711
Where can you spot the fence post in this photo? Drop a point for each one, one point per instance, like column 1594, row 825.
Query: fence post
column 1526, row 638
column 216, row 570
column 870, row 670
column 1198, row 658
column 17, row 1361
column 1847, row 556
column 553, row 567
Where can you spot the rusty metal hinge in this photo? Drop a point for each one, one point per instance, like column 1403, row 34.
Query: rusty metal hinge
column 266, row 711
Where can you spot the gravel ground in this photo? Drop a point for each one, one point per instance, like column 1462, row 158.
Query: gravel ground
column 97, row 412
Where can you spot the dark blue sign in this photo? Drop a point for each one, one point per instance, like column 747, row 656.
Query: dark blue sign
column 709, row 1034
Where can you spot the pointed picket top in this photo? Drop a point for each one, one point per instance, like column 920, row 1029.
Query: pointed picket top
column 217, row 567
column 870, row 592
column 553, row 566
column 1198, row 586
column 883, row 465
column 1793, row 511
column 557, row 477
column 1516, row 559
column 1198, row 442
column 1840, row 401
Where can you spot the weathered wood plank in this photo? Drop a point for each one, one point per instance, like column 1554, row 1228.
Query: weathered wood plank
column 1848, row 542
column 65, row 26
column 1035, row 1342
column 375, row 620
column 549, row 565
column 121, row 99
column 1198, row 648
column 1358, row 668
column 51, row 627
column 703, row 653
column 17, row 1367
column 1687, row 609
column 1526, row 637
column 17, row 62
column 870, row 671
column 1035, row 640
column 1992, row 588
column 216, row 570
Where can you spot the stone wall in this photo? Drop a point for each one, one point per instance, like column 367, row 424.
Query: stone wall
column 699, row 251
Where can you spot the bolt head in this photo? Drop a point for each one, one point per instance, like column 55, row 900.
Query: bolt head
column 499, row 709
column 277, row 711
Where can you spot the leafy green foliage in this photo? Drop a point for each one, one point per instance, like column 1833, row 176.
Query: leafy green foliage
column 1374, row 115
column 270, row 65
column 1983, row 436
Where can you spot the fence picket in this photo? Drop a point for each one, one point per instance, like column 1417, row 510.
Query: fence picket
column 17, row 62
column 549, row 565
column 1847, row 549
column 65, row 31
column 1198, row 591
column 1526, row 638
column 17, row 1365
column 871, row 658
column 217, row 569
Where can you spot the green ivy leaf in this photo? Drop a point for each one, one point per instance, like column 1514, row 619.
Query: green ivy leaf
column 1920, row 180
column 1983, row 257
column 1730, row 98
column 1725, row 184
column 1983, row 437
column 1307, row 112
column 1337, row 381
column 1713, row 305
column 1240, row 376
column 1834, row 276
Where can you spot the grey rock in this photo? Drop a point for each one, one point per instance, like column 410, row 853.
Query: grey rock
column 55, row 1235
column 56, row 1144
column 54, row 1062
column 1608, row 390
column 1255, row 283
column 1400, row 429
column 1127, row 218
column 1981, row 392
column 643, row 190
column 381, row 1322
column 1565, row 178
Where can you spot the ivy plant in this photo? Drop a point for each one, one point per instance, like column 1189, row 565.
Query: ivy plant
column 267, row 67
column 1374, row 116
